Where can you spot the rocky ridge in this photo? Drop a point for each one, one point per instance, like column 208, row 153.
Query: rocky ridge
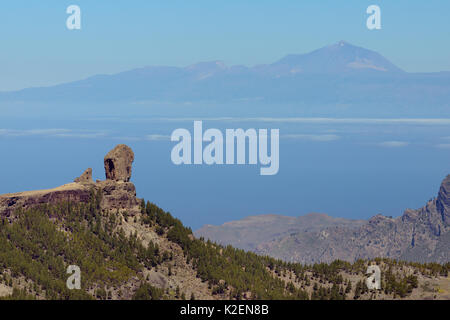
column 421, row 235
column 117, row 192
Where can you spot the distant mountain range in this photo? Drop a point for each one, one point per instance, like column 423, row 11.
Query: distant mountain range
column 251, row 232
column 337, row 74
column 421, row 235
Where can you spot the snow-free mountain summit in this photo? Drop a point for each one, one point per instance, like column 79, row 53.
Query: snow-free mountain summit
column 337, row 74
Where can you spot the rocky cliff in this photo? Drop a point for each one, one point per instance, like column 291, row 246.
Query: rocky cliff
column 117, row 192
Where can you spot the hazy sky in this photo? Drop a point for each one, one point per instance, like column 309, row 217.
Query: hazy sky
column 37, row 48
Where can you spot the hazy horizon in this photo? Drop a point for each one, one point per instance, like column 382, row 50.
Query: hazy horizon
column 123, row 37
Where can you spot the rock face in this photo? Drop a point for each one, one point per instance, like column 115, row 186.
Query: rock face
column 118, row 163
column 74, row 192
column 117, row 192
column 443, row 201
column 86, row 177
column 119, row 196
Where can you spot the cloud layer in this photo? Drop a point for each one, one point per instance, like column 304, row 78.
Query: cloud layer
column 393, row 144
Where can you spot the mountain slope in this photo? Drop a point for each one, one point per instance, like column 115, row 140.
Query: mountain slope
column 127, row 248
column 340, row 57
column 421, row 235
column 249, row 233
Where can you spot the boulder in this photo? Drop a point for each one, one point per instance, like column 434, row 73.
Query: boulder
column 118, row 163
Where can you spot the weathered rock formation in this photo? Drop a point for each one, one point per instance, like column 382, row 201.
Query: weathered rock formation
column 75, row 192
column 86, row 177
column 119, row 195
column 117, row 192
column 443, row 201
column 118, row 163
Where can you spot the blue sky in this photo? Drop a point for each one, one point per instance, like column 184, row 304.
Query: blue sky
column 37, row 49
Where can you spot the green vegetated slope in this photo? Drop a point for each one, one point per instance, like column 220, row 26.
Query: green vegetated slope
column 153, row 256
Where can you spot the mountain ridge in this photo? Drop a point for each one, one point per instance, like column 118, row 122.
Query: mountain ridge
column 339, row 57
column 420, row 235
column 337, row 74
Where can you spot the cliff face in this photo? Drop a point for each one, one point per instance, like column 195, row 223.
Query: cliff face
column 117, row 192
column 443, row 201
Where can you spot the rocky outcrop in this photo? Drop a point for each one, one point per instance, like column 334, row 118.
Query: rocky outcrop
column 119, row 196
column 86, row 177
column 74, row 192
column 118, row 163
column 117, row 192
column 443, row 201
